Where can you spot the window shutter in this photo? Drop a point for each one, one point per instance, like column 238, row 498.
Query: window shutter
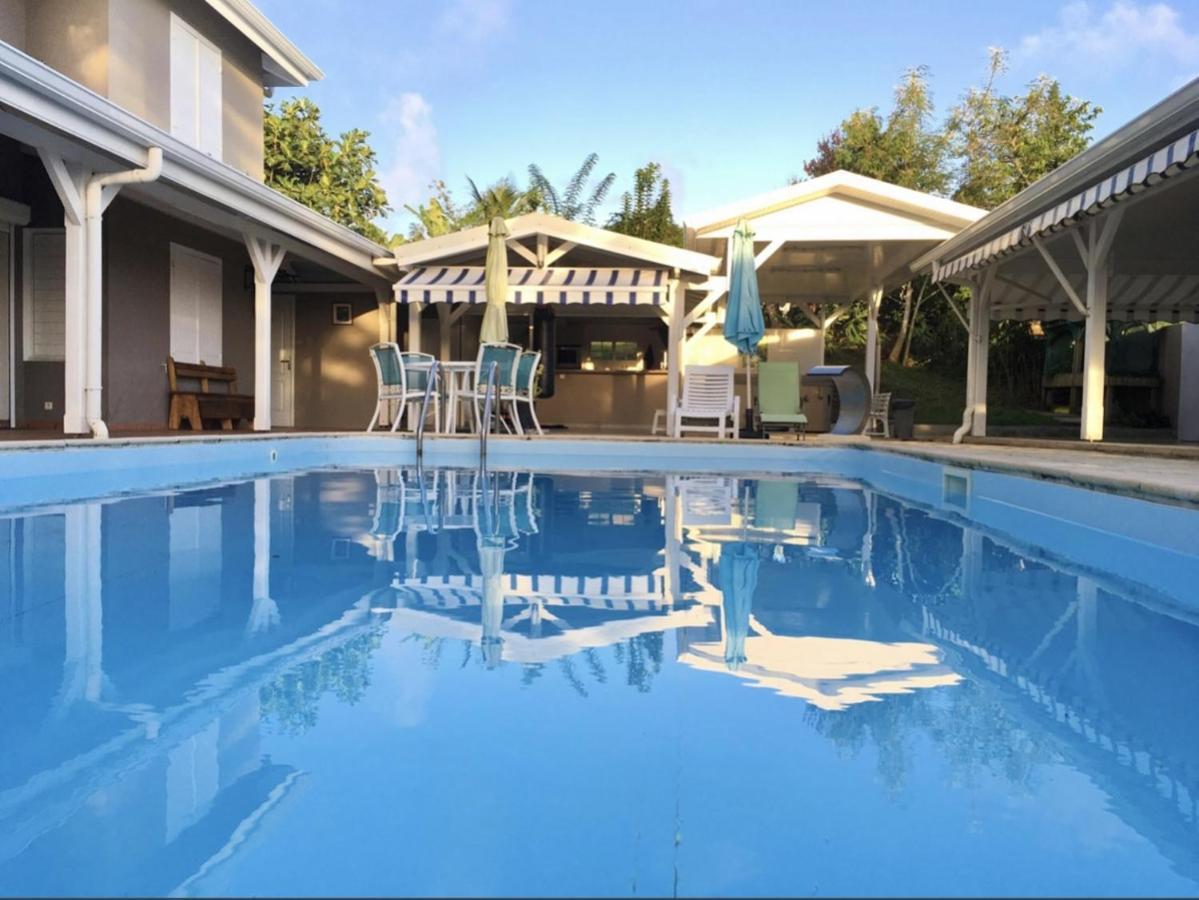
column 209, row 99
column 196, row 307
column 45, row 328
column 184, row 50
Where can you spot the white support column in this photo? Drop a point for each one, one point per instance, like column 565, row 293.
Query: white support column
column 70, row 182
column 874, row 300
column 982, row 336
column 413, row 342
column 971, row 363
column 266, row 258
column 1094, row 364
column 674, row 351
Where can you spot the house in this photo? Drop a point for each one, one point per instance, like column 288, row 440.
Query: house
column 134, row 223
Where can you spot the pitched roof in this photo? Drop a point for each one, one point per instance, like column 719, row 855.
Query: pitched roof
column 462, row 244
column 848, row 184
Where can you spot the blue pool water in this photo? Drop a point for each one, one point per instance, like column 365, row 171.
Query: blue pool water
column 877, row 677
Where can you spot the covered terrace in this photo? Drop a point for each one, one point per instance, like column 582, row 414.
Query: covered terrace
column 1108, row 237
column 605, row 309
column 824, row 244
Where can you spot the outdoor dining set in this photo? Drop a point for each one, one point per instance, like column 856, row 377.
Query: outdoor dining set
column 459, row 389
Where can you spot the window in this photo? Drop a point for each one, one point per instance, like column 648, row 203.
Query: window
column 45, row 279
column 196, row 299
column 623, row 351
column 195, row 89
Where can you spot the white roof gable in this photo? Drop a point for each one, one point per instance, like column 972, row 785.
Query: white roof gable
column 474, row 240
column 840, row 206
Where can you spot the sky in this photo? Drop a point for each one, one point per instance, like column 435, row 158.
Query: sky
column 730, row 98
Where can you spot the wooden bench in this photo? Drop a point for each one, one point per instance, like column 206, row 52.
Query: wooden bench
column 196, row 405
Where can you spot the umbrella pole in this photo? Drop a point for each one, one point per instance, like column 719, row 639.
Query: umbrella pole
column 749, row 394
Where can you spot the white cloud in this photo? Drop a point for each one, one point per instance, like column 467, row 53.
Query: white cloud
column 415, row 151
column 1121, row 34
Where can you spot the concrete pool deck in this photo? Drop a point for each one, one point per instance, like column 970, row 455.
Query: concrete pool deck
column 1166, row 473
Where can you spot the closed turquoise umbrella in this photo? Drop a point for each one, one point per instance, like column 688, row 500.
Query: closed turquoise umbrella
column 738, row 571
column 744, row 326
column 495, row 317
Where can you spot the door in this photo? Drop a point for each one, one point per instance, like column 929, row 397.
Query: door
column 283, row 348
column 6, row 316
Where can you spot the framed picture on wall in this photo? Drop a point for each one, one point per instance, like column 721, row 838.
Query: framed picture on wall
column 343, row 314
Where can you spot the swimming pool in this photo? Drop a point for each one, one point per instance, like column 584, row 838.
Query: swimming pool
column 315, row 669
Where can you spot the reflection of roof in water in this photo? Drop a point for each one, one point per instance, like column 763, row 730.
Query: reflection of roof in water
column 525, row 649
column 634, row 592
column 829, row 673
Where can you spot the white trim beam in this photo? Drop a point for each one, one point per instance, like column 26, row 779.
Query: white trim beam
column 521, row 250
column 1059, row 275
column 558, row 252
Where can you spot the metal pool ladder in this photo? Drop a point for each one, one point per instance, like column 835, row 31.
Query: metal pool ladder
column 485, row 425
column 430, row 386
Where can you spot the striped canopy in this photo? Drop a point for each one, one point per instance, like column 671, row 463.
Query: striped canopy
column 1163, row 163
column 598, row 287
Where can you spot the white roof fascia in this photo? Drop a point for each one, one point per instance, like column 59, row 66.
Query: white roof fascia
column 849, row 184
column 47, row 97
column 280, row 56
column 471, row 239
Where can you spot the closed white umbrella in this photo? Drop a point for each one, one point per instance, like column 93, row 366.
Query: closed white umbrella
column 495, row 317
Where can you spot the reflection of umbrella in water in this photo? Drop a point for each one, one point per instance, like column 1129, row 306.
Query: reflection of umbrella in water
column 491, row 565
column 738, row 581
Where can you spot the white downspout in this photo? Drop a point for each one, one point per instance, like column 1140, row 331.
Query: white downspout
column 94, row 204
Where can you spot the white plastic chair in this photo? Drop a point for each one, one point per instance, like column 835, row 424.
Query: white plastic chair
column 400, row 384
column 505, row 356
column 708, row 395
column 526, row 377
column 878, row 422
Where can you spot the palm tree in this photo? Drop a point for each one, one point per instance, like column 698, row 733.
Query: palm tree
column 574, row 201
column 501, row 199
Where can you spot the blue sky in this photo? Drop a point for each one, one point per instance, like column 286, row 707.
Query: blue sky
column 729, row 97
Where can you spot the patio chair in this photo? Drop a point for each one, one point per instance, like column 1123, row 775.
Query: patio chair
column 399, row 384
column 779, row 398
column 526, row 377
column 708, row 395
column 506, row 357
column 878, row 421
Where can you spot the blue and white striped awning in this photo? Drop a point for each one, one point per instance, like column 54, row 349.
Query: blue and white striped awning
column 1163, row 163
column 596, row 287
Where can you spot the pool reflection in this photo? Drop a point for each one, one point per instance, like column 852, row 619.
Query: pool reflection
column 153, row 646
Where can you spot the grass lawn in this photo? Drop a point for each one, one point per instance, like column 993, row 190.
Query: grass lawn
column 939, row 399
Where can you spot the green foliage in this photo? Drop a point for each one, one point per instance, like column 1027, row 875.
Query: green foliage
column 905, row 148
column 1005, row 143
column 334, row 176
column 292, row 701
column 646, row 212
column 436, row 216
column 575, row 201
column 503, row 199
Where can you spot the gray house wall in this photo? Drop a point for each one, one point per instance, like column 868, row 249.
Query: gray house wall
column 137, row 304
column 121, row 49
column 334, row 376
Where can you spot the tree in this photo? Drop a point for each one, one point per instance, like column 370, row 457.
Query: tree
column 503, row 199
column 646, row 212
column 334, row 176
column 905, row 148
column 574, row 201
column 1005, row 143
column 436, row 216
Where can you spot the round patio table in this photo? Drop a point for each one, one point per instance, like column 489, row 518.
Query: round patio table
column 457, row 378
